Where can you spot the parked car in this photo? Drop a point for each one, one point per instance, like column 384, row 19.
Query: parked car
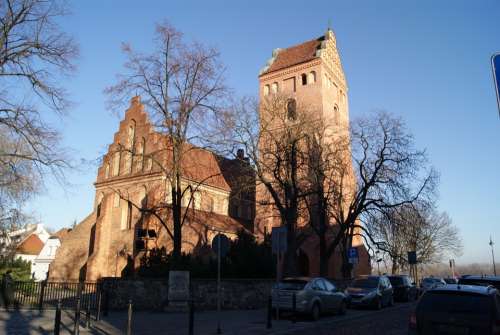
column 431, row 282
column 450, row 280
column 403, row 288
column 371, row 291
column 313, row 296
column 480, row 280
column 457, row 309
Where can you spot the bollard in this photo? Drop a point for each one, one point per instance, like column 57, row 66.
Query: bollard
column 191, row 317
column 98, row 313
column 87, row 315
column 76, row 329
column 294, row 308
column 269, row 312
column 42, row 292
column 129, row 320
column 57, row 321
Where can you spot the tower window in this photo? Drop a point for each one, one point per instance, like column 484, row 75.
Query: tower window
column 304, row 78
column 266, row 90
column 291, row 110
column 274, row 87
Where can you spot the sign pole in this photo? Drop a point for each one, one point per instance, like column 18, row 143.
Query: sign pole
column 218, row 287
column 278, row 280
column 495, row 64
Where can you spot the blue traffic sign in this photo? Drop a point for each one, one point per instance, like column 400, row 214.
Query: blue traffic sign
column 495, row 62
column 353, row 255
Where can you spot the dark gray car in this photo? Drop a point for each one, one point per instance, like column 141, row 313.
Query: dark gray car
column 313, row 296
column 457, row 309
column 371, row 291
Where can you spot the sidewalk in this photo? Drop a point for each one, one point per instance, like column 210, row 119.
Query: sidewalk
column 239, row 322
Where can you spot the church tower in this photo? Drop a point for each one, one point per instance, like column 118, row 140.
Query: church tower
column 312, row 74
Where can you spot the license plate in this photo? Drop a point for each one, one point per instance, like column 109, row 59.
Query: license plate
column 453, row 330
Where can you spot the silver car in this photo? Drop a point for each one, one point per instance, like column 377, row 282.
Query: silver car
column 313, row 296
column 431, row 282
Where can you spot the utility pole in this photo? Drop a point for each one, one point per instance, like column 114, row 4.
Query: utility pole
column 493, row 256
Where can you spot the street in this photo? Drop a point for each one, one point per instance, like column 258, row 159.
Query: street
column 389, row 321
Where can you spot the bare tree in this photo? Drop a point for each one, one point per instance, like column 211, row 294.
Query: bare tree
column 183, row 88
column 415, row 227
column 272, row 132
column 388, row 172
column 34, row 54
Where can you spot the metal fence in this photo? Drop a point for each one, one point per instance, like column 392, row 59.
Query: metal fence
column 45, row 294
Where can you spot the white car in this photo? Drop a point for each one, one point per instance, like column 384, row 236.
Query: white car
column 431, row 282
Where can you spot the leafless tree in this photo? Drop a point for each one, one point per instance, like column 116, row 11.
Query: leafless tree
column 415, row 227
column 272, row 132
column 34, row 55
column 388, row 172
column 182, row 87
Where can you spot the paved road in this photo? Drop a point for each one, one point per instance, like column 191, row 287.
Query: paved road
column 389, row 321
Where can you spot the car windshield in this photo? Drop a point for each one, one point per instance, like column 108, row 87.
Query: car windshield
column 453, row 302
column 365, row 283
column 396, row 281
column 292, row 284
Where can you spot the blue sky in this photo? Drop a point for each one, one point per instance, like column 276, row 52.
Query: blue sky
column 428, row 61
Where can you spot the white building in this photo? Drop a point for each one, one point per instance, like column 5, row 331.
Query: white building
column 37, row 246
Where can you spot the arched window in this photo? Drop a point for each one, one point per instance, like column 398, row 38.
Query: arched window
column 274, row 87
column 116, row 163
column 336, row 115
column 291, row 110
column 311, row 78
column 303, row 77
column 266, row 90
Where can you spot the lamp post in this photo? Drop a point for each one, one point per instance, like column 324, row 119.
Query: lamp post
column 493, row 256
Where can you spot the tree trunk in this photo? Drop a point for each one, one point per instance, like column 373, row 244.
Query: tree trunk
column 323, row 257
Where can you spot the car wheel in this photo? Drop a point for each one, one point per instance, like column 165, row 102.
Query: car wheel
column 315, row 312
column 342, row 307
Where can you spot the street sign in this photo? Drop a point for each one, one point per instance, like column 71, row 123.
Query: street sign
column 279, row 239
column 412, row 257
column 495, row 63
column 224, row 244
column 353, row 255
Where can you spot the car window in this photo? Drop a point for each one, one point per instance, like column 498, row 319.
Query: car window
column 321, row 284
column 395, row 281
column 329, row 286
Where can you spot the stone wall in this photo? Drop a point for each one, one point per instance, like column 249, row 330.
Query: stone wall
column 153, row 294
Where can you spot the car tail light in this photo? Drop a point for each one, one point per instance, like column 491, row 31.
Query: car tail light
column 413, row 321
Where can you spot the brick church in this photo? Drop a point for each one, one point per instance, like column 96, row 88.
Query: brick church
column 115, row 235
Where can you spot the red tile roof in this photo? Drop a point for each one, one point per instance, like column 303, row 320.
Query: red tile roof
column 32, row 245
column 294, row 55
